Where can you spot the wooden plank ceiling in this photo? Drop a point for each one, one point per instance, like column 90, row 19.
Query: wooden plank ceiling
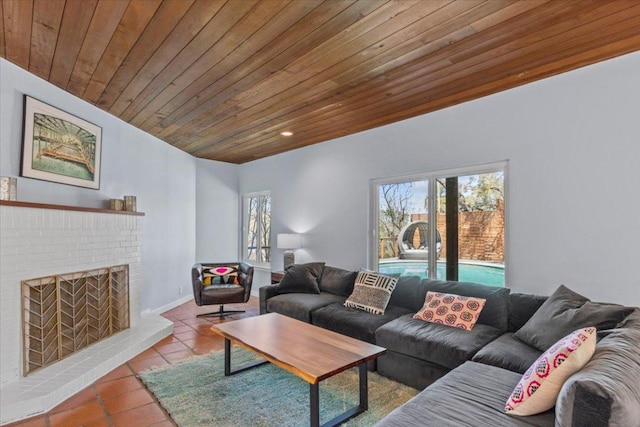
column 221, row 79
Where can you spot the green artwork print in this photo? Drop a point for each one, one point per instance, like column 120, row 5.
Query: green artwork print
column 63, row 148
column 60, row 147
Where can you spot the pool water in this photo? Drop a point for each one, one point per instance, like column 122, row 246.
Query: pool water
column 477, row 273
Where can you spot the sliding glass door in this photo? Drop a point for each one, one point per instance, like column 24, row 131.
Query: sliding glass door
column 462, row 240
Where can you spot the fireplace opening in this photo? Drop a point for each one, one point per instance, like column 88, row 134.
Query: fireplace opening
column 65, row 313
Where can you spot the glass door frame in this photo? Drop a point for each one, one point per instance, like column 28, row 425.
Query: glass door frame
column 431, row 177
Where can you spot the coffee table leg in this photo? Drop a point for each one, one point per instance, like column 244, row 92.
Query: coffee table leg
column 314, row 403
column 364, row 387
column 227, row 361
column 227, row 357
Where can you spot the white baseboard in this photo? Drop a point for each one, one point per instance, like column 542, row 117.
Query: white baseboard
column 167, row 307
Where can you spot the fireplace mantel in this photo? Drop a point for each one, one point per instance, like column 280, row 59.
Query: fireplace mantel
column 65, row 208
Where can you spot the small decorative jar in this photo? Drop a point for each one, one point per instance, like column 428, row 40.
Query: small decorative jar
column 117, row 204
column 130, row 203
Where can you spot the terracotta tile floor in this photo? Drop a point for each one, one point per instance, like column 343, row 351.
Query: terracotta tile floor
column 120, row 399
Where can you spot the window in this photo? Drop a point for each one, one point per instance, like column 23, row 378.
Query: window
column 464, row 241
column 256, row 228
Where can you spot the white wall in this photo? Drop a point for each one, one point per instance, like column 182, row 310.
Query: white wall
column 217, row 211
column 573, row 146
column 133, row 163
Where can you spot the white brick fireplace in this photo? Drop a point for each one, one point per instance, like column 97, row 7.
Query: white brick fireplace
column 42, row 240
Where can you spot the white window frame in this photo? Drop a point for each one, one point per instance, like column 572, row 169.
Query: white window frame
column 244, row 228
column 374, row 196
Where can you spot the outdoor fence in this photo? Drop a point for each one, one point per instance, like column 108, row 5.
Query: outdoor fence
column 480, row 236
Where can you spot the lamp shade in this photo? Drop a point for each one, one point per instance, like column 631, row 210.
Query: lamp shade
column 289, row 241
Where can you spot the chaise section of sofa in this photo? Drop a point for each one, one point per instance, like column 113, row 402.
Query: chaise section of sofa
column 473, row 394
column 419, row 352
column 606, row 392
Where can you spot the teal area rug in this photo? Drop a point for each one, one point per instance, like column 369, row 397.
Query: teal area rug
column 197, row 394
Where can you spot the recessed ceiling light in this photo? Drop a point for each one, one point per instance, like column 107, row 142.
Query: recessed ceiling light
column 286, row 133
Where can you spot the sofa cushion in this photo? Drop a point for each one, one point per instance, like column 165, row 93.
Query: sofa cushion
column 409, row 293
column 564, row 312
column 371, row 292
column 538, row 389
column 337, row 281
column 521, row 308
column 300, row 305
column 437, row 344
column 470, row 395
column 451, row 310
column 353, row 322
column 301, row 278
column 606, row 392
column 509, row 353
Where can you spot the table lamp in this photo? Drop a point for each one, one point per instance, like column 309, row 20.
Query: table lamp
column 289, row 242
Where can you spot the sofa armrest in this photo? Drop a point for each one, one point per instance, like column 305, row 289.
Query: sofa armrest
column 606, row 391
column 266, row 292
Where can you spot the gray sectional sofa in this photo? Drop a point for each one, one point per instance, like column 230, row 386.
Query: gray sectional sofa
column 467, row 376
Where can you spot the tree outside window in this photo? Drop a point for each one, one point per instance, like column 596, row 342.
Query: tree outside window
column 257, row 228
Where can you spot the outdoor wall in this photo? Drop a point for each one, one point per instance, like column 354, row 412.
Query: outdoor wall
column 133, row 163
column 572, row 142
column 481, row 232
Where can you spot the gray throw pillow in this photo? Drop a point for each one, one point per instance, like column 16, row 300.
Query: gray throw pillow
column 564, row 312
column 337, row 281
column 301, row 278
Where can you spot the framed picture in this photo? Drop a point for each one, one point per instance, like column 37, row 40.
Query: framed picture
column 59, row 146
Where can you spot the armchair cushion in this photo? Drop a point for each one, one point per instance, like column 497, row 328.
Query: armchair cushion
column 301, row 278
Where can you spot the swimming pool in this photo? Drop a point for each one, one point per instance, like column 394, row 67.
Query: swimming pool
column 478, row 273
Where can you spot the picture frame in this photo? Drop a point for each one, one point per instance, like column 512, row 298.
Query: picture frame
column 60, row 147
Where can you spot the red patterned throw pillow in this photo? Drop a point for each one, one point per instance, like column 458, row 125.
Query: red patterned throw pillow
column 223, row 274
column 538, row 389
column 451, row 310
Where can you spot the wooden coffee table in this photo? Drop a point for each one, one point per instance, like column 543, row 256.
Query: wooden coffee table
column 310, row 352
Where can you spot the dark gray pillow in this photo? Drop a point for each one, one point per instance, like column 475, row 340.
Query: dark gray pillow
column 521, row 308
column 337, row 281
column 301, row 278
column 564, row 312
